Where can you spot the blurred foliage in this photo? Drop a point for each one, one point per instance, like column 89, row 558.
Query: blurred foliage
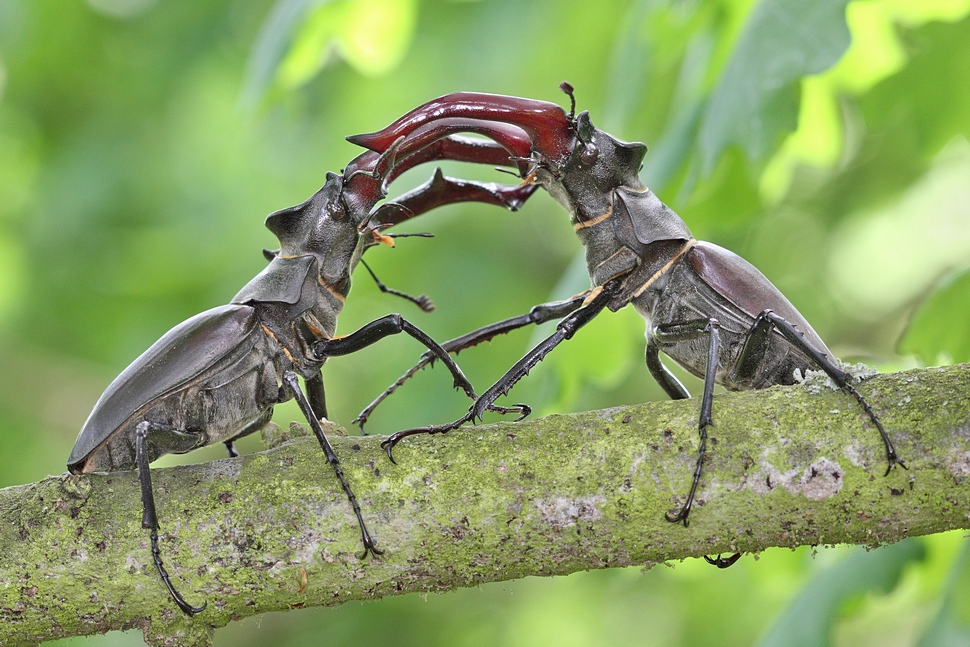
column 935, row 334
column 141, row 145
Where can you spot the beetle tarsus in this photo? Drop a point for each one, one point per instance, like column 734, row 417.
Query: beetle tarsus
column 187, row 608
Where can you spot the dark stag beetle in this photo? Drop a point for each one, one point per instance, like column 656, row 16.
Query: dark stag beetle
column 216, row 377
column 706, row 308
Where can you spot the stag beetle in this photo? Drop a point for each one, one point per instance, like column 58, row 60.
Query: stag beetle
column 216, row 377
column 705, row 307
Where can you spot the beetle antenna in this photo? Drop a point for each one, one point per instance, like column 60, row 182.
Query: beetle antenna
column 505, row 170
column 567, row 87
column 422, row 301
column 418, row 234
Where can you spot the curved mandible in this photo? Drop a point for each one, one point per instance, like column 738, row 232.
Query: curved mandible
column 549, row 127
column 366, row 176
column 510, row 145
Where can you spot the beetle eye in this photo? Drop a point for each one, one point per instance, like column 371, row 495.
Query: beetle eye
column 589, row 154
column 334, row 210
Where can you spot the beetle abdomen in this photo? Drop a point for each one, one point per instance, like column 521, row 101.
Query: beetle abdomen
column 205, row 377
column 697, row 286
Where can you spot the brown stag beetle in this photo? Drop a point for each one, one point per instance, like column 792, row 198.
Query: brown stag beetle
column 217, row 376
column 705, row 307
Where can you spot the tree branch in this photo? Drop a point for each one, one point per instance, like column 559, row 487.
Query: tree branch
column 273, row 530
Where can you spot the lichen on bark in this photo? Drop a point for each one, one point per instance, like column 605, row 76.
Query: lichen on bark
column 273, row 531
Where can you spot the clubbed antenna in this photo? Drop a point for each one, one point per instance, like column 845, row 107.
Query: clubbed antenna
column 567, row 87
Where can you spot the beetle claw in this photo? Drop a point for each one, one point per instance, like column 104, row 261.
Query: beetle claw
column 722, row 562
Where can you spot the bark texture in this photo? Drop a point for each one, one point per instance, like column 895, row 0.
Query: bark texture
column 273, row 530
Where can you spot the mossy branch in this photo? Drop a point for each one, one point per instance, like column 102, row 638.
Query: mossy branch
column 273, row 531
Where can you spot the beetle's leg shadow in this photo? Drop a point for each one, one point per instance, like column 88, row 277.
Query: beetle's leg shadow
column 176, row 442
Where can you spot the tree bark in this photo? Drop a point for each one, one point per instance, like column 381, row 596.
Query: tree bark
column 273, row 531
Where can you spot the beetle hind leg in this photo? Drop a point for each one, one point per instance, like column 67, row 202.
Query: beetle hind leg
column 143, row 432
column 756, row 345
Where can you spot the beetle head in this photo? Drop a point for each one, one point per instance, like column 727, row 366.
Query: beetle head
column 316, row 225
column 584, row 181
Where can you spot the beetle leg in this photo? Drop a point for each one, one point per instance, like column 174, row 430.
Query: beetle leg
column 317, row 396
column 756, row 344
column 677, row 391
column 291, row 381
column 537, row 315
column 667, row 380
column 565, row 330
column 679, row 332
column 231, row 448
column 381, row 328
column 149, row 517
column 722, row 562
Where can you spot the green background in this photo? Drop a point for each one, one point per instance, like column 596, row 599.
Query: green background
column 143, row 143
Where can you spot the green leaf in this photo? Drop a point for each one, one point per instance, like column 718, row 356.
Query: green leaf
column 808, row 619
column 270, row 47
column 310, row 47
column 756, row 100
column 378, row 34
column 951, row 627
column 371, row 35
column 929, row 99
column 296, row 39
column 937, row 333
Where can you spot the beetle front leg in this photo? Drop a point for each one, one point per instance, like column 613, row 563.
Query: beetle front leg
column 293, row 383
column 149, row 518
column 756, row 345
column 595, row 304
column 537, row 315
